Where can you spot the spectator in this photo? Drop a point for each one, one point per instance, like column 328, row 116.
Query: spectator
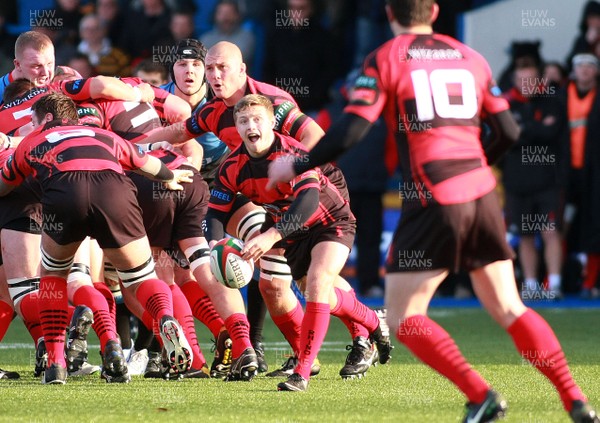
column 555, row 75
column 106, row 59
column 531, row 177
column 300, row 57
column 227, row 27
column 144, row 29
column 371, row 28
column 583, row 109
column 81, row 63
column 69, row 13
column 522, row 53
column 109, row 13
column 589, row 31
column 151, row 72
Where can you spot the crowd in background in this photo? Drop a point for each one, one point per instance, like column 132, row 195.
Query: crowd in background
column 311, row 47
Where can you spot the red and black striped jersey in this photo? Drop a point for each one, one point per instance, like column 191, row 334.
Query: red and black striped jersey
column 216, row 117
column 17, row 113
column 241, row 173
column 432, row 90
column 128, row 119
column 55, row 149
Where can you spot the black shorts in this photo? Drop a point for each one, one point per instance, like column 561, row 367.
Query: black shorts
column 533, row 213
column 298, row 246
column 99, row 204
column 459, row 236
column 170, row 216
column 21, row 209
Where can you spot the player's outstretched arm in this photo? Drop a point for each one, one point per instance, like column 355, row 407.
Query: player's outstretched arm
column 175, row 134
column 344, row 134
column 157, row 170
column 194, row 152
column 176, row 109
column 505, row 133
column 311, row 135
column 114, row 89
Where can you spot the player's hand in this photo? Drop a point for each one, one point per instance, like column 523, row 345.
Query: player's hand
column 260, row 244
column 161, row 145
column 147, row 92
column 5, row 142
column 181, row 176
column 281, row 170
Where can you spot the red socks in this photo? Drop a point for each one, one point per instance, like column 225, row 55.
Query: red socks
column 155, row 296
column 53, row 307
column 592, row 269
column 103, row 324
column 110, row 299
column 183, row 314
column 6, row 315
column 349, row 309
column 202, row 307
column 537, row 343
column 314, row 329
column 290, row 325
column 31, row 315
column 433, row 346
column 239, row 331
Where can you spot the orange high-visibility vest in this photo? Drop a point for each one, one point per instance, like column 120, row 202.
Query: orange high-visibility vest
column 578, row 110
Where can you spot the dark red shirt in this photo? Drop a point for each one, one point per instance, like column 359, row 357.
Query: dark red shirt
column 217, row 117
column 432, row 90
column 56, row 149
column 249, row 176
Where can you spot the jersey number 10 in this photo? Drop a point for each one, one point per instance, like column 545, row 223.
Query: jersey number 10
column 432, row 95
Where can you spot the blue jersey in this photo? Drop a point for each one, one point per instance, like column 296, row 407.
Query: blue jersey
column 4, row 81
column 214, row 149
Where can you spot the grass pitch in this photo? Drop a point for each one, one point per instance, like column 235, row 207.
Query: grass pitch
column 403, row 391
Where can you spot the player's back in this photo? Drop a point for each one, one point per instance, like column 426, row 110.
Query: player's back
column 435, row 89
column 59, row 148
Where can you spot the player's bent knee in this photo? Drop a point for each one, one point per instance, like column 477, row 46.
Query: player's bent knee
column 138, row 274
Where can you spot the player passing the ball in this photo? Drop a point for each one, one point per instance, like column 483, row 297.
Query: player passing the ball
column 308, row 217
column 445, row 87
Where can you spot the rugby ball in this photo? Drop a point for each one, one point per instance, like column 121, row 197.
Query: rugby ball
column 227, row 264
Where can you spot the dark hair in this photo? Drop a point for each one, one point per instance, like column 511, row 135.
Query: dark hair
column 16, row 89
column 58, row 105
column 411, row 12
column 150, row 66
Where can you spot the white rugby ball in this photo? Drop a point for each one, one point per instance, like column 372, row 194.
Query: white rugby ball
column 227, row 264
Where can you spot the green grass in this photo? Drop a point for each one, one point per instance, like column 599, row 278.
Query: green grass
column 404, row 391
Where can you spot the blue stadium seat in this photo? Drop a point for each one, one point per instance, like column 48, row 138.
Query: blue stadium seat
column 26, row 8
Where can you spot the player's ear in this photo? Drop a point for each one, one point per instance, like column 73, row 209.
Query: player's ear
column 389, row 13
column 16, row 63
column 243, row 68
column 48, row 117
column 435, row 11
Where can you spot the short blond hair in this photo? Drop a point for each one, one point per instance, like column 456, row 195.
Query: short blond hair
column 253, row 100
column 32, row 39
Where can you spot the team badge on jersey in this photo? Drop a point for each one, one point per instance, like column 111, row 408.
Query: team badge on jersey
column 495, row 89
column 364, row 91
